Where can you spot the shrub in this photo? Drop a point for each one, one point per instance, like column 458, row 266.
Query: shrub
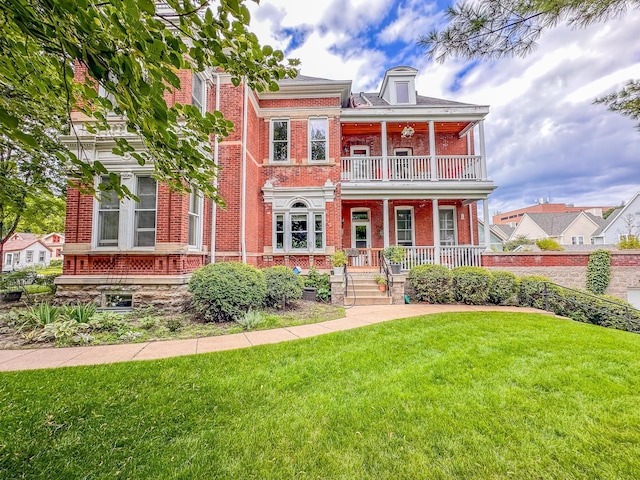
column 471, row 285
column 549, row 244
column 174, row 324
column 531, row 294
column 616, row 313
column 599, row 271
column 63, row 330
column 226, row 291
column 42, row 314
column 515, row 243
column 430, row 283
column 503, row 288
column 630, row 242
column 250, row 320
column 283, row 285
column 319, row 281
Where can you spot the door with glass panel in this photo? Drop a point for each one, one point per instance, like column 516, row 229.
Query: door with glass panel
column 361, row 237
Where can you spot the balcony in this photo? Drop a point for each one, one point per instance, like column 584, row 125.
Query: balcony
column 412, row 168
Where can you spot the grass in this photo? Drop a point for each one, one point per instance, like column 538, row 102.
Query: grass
column 459, row 395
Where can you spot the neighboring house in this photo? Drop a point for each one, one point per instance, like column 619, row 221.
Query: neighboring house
column 513, row 217
column 622, row 222
column 498, row 235
column 309, row 169
column 24, row 250
column 573, row 228
column 55, row 242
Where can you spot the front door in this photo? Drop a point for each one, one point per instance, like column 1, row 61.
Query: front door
column 360, row 236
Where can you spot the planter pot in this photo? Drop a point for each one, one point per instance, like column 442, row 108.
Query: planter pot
column 382, row 288
column 395, row 268
column 11, row 296
column 338, row 270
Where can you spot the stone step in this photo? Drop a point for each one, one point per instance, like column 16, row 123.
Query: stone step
column 367, row 300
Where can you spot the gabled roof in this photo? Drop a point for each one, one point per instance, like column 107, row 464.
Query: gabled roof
column 617, row 213
column 554, row 224
column 21, row 244
column 502, row 231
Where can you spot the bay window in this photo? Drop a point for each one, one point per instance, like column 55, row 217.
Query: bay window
column 298, row 230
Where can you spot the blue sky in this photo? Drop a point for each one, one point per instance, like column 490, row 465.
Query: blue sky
column 544, row 136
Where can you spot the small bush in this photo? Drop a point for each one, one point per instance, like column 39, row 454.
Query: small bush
column 283, row 285
column 42, row 314
column 549, row 244
column 62, row 331
column 251, row 320
column 80, row 312
column 504, row 288
column 531, row 294
column 173, row 324
column 430, row 283
column 471, row 285
column 319, row 281
column 630, row 242
column 226, row 291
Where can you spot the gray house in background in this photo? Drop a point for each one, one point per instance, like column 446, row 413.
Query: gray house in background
column 621, row 223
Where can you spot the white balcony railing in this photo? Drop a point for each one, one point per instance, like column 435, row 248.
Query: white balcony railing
column 413, row 168
column 450, row 256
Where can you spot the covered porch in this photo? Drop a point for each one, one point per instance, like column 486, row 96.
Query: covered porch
column 441, row 231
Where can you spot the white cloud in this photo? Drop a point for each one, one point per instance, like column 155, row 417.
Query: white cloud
column 544, row 135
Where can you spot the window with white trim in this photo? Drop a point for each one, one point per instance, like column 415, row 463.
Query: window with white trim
column 195, row 220
column 279, row 144
column 299, row 229
column 29, row 256
column 8, row 259
column 198, row 92
column 108, row 217
column 144, row 233
column 41, row 257
column 402, row 92
column 128, row 223
column 579, row 240
column 318, row 139
column 447, row 221
column 404, row 226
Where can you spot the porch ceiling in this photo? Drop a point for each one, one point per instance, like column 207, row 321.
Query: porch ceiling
column 396, row 127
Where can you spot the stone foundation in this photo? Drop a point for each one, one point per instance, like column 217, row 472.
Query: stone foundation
column 170, row 296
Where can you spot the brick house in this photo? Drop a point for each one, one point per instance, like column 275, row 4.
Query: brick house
column 309, row 169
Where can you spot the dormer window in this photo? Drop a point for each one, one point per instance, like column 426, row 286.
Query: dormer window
column 402, row 92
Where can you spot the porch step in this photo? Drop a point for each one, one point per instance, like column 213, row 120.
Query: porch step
column 361, row 300
column 363, row 290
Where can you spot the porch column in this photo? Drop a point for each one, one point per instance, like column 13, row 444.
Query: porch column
column 385, row 160
column 483, row 156
column 436, row 231
column 473, row 237
column 487, row 230
column 385, row 221
column 432, row 152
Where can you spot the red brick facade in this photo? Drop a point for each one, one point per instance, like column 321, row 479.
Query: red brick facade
column 246, row 170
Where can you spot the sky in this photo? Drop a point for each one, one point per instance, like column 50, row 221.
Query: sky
column 545, row 139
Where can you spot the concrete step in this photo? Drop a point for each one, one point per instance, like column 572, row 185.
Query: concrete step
column 367, row 300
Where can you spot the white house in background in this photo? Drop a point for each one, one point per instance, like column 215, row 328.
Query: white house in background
column 55, row 242
column 573, row 228
column 25, row 250
column 622, row 222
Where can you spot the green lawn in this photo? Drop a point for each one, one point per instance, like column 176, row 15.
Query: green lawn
column 465, row 395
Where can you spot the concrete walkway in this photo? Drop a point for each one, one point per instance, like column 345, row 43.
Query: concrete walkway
column 359, row 316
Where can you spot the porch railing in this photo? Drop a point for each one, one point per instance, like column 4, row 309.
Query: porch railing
column 413, row 168
column 450, row 256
